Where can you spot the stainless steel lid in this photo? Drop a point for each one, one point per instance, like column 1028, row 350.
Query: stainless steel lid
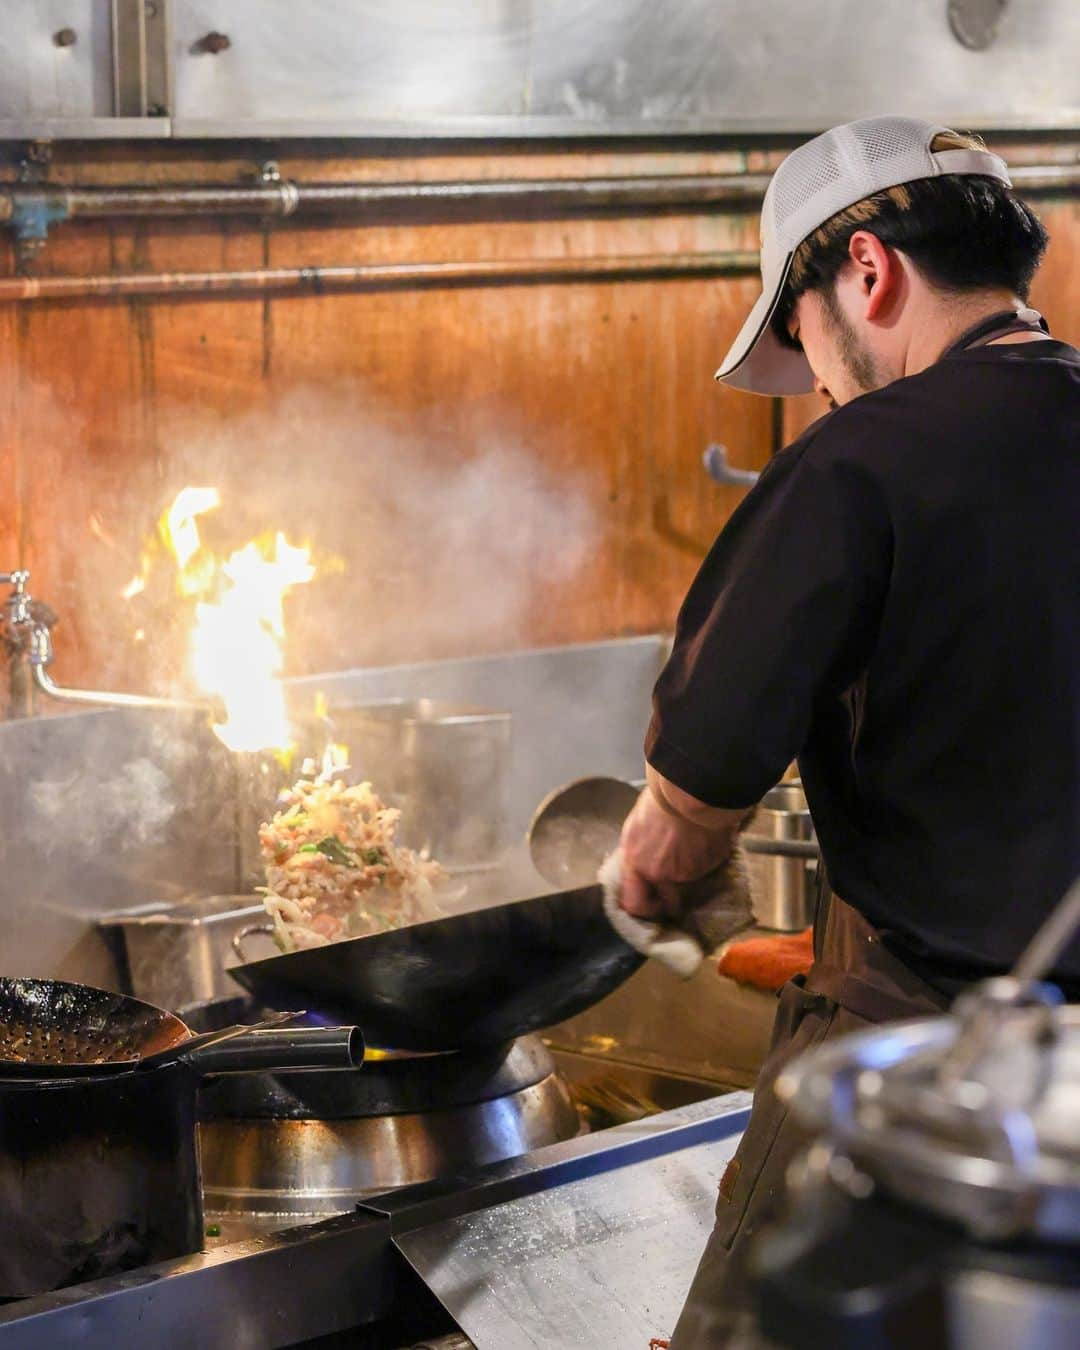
column 995, row 1146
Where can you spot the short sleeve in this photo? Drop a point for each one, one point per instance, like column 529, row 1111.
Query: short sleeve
column 783, row 613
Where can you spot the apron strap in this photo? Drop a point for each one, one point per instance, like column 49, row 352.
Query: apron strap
column 869, row 1000
column 997, row 325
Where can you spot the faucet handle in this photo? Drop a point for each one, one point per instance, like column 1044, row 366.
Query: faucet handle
column 19, row 603
column 720, row 471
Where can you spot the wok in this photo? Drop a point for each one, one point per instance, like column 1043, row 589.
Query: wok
column 460, row 982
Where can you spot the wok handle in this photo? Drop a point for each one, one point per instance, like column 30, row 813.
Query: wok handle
column 266, row 929
column 282, row 1049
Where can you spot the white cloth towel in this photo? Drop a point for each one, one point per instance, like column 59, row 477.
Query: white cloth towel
column 683, row 945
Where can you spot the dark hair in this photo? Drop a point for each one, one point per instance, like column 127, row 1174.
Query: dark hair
column 963, row 233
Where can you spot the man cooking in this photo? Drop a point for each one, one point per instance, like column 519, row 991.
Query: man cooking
column 895, row 605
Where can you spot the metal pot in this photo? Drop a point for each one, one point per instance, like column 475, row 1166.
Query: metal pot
column 99, row 1170
column 781, row 857
column 97, row 1175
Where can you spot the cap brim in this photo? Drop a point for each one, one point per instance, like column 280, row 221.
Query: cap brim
column 757, row 360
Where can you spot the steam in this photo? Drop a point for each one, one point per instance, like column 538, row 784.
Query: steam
column 426, row 546
column 130, row 808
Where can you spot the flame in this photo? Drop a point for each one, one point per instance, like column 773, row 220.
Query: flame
column 237, row 643
column 238, row 634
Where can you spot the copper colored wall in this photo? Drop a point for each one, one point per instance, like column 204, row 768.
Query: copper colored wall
column 492, row 467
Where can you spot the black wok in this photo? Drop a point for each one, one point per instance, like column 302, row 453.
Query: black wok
column 470, row 980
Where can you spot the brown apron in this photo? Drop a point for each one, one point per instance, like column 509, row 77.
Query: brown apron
column 854, row 982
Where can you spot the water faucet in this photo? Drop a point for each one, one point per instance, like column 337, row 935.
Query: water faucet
column 26, row 632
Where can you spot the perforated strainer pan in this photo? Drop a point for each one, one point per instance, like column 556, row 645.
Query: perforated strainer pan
column 50, row 1029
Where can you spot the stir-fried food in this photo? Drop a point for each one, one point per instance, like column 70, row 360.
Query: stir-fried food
column 334, row 871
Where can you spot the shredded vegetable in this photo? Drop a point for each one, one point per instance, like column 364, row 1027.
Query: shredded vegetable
column 333, row 869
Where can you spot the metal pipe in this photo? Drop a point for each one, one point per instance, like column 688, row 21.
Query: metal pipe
column 1045, row 179
column 281, row 1049
column 641, row 193
column 382, row 276
column 496, row 196
column 101, row 699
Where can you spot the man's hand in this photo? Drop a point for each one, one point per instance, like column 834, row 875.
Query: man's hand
column 665, row 849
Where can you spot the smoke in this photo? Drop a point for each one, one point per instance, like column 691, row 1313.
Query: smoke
column 130, row 807
column 427, row 545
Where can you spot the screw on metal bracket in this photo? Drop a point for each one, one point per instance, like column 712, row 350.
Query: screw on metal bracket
column 269, row 173
column 65, row 37
column 975, row 22
column 34, row 161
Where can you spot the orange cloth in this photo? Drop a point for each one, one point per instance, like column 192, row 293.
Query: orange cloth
column 768, row 962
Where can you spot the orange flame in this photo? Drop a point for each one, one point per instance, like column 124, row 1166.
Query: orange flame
column 238, row 636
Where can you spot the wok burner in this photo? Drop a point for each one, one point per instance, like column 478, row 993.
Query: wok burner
column 314, row 1143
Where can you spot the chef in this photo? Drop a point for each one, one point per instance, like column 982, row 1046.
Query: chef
column 894, row 604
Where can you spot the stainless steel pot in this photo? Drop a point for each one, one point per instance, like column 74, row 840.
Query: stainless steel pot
column 445, row 765
column 781, row 858
column 174, row 955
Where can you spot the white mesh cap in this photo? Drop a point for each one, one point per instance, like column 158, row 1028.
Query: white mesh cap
column 820, row 178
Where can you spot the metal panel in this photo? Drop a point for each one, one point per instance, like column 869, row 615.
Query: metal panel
column 42, row 79
column 355, row 59
column 254, row 1295
column 580, row 709
column 577, row 67
column 81, row 128
column 100, row 811
column 605, row 1259
column 129, row 57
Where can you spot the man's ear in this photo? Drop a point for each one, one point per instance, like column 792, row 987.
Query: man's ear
column 877, row 270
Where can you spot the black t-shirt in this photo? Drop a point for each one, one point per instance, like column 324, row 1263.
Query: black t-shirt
column 896, row 603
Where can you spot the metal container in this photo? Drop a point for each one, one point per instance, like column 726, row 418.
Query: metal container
column 781, row 885
column 98, row 1175
column 445, row 765
column 99, row 1167
column 177, row 954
